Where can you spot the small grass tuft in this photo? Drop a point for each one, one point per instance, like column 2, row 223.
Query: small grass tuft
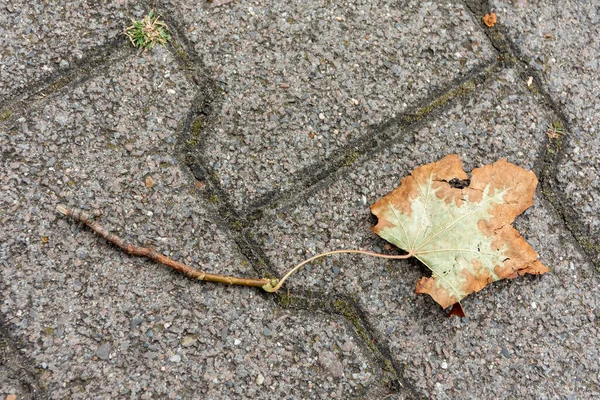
column 147, row 32
column 555, row 130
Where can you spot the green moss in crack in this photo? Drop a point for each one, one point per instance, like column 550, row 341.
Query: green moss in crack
column 5, row 115
column 58, row 84
column 237, row 226
column 289, row 301
column 388, row 366
column 590, row 248
column 196, row 128
column 549, row 194
column 344, row 308
column 180, row 51
column 460, row 91
column 533, row 88
column 351, row 158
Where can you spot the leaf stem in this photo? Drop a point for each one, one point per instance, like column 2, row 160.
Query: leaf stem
column 269, row 288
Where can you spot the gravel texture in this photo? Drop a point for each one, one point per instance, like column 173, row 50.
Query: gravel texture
column 301, row 80
column 97, row 323
column 562, row 42
column 273, row 94
column 42, row 39
column 530, row 337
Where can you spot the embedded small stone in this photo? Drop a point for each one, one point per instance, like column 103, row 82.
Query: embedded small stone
column 103, row 351
column 188, row 340
column 149, row 181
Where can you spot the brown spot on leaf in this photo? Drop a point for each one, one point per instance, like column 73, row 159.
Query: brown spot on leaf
column 401, row 198
column 476, row 281
column 440, row 294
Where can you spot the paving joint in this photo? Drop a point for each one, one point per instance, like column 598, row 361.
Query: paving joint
column 306, row 300
column 378, row 136
column 182, row 50
column 90, row 66
column 202, row 109
column 347, row 307
column 404, row 126
column 17, row 366
column 552, row 149
column 239, row 225
column 401, row 364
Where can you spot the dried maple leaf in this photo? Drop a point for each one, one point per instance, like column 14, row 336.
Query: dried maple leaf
column 460, row 229
column 489, row 19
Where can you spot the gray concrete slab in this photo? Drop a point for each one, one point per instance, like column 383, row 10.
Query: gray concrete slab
column 562, row 41
column 42, row 39
column 95, row 323
column 251, row 97
column 302, row 80
column 530, row 337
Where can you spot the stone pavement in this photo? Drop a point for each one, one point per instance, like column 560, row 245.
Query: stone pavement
column 259, row 137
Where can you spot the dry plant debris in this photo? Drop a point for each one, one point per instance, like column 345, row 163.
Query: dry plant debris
column 489, row 19
column 458, row 227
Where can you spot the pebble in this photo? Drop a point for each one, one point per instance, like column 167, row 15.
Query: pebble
column 188, row 340
column 149, row 181
column 103, row 351
column 260, row 379
column 175, row 358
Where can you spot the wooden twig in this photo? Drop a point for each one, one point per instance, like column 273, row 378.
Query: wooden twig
column 87, row 219
column 269, row 285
